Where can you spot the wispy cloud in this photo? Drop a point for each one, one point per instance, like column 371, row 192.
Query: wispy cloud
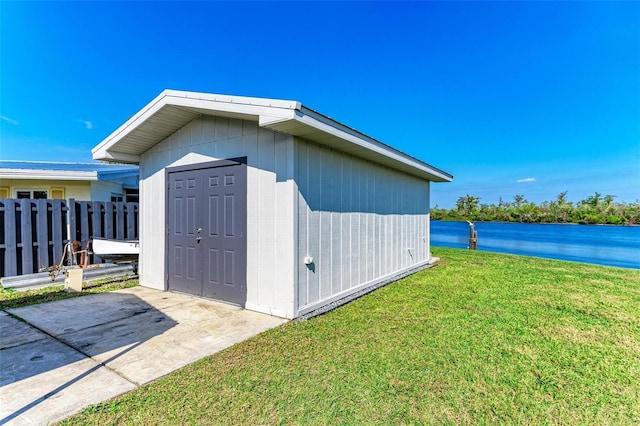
column 87, row 124
column 526, row 180
column 9, row 120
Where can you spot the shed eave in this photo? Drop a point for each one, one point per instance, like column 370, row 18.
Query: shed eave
column 173, row 109
column 116, row 157
column 316, row 127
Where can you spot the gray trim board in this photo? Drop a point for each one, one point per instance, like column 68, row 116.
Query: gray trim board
column 357, row 292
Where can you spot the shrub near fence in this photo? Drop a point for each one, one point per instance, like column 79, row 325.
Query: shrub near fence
column 34, row 232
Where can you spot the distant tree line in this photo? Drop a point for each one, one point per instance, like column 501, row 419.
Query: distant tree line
column 595, row 209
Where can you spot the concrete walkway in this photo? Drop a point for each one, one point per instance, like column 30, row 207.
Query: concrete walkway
column 59, row 357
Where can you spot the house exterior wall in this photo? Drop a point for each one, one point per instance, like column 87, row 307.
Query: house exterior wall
column 80, row 190
column 271, row 223
column 358, row 220
column 102, row 190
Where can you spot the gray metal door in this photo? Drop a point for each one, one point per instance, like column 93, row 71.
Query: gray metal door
column 206, row 227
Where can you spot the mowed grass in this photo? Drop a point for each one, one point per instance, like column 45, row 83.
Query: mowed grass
column 482, row 338
column 10, row 299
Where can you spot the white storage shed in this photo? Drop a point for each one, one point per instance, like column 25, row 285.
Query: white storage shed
column 270, row 205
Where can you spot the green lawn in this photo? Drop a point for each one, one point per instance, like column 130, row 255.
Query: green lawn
column 10, row 299
column 482, row 338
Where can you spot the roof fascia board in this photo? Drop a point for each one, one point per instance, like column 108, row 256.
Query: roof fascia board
column 238, row 100
column 47, row 174
column 117, row 174
column 330, row 126
column 250, row 111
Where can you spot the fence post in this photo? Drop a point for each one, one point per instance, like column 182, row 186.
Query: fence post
column 120, row 220
column 10, row 243
column 59, row 225
column 108, row 220
column 42, row 236
column 71, row 221
column 131, row 220
column 26, row 236
column 97, row 228
column 85, row 212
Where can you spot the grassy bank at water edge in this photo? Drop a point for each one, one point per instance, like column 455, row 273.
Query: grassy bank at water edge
column 481, row 338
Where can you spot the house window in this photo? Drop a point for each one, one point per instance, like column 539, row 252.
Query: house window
column 117, row 198
column 132, row 195
column 37, row 194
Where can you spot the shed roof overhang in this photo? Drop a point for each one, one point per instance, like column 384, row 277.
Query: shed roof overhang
column 172, row 109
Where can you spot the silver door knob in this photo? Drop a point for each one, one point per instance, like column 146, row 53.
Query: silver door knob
column 198, row 239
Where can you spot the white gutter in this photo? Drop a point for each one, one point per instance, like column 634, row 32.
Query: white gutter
column 47, row 174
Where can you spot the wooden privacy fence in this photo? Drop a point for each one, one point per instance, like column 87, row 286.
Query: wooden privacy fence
column 34, row 232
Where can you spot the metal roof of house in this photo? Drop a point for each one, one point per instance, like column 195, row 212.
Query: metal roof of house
column 172, row 109
column 65, row 171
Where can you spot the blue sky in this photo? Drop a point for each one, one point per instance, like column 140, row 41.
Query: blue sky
column 529, row 98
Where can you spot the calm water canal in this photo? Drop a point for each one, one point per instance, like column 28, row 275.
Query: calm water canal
column 603, row 245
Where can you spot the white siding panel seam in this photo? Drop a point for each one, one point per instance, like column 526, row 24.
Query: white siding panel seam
column 361, row 220
column 308, row 214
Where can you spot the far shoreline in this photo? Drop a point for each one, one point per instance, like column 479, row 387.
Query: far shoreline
column 630, row 225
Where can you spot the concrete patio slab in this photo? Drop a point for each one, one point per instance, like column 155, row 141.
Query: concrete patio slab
column 14, row 332
column 76, row 352
column 69, row 315
column 45, row 380
column 174, row 337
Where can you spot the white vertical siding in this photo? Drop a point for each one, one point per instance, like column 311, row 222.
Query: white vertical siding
column 285, row 223
column 357, row 220
column 271, row 224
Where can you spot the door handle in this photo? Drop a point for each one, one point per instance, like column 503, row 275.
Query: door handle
column 199, row 230
column 198, row 239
